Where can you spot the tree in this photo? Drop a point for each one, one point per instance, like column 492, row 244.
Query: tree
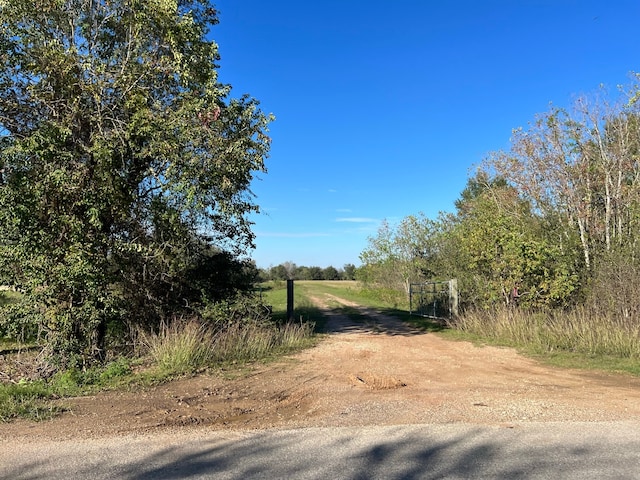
column 400, row 255
column 349, row 270
column 547, row 165
column 121, row 158
column 303, row 273
column 581, row 167
column 278, row 273
column 315, row 273
column 330, row 273
column 500, row 244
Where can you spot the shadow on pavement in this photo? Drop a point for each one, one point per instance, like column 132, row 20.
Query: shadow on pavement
column 398, row 452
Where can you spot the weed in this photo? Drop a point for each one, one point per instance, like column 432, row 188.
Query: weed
column 26, row 400
column 32, row 399
column 183, row 346
column 556, row 335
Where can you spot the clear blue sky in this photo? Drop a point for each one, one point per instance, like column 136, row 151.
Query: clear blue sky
column 383, row 107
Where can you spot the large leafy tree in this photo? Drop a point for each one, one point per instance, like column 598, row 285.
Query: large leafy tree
column 123, row 161
column 499, row 244
column 579, row 169
column 581, row 166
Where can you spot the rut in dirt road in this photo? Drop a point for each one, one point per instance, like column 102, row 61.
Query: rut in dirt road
column 374, row 322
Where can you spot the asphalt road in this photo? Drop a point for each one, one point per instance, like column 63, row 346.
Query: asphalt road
column 528, row 450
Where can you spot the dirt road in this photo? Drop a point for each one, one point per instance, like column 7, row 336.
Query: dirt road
column 378, row 373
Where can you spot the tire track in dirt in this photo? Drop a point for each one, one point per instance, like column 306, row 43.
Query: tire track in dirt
column 373, row 322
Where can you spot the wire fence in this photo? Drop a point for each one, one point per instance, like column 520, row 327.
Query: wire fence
column 434, row 299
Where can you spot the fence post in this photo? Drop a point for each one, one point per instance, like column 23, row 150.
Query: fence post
column 453, row 296
column 290, row 300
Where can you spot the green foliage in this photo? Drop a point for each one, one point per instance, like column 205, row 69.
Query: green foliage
column 349, row 271
column 291, row 271
column 500, row 245
column 118, row 150
column 117, row 369
column 241, row 309
column 493, row 244
column 74, row 381
column 8, row 297
column 34, row 399
column 400, row 255
column 556, row 217
column 26, row 400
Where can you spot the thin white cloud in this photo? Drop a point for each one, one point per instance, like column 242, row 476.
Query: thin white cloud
column 292, row 234
column 344, row 210
column 357, row 220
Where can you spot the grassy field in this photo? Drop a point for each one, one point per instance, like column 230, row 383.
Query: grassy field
column 389, row 303
column 274, row 294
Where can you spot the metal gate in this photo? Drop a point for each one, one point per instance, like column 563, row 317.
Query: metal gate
column 434, row 299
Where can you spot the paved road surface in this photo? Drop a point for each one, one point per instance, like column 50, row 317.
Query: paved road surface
column 528, row 450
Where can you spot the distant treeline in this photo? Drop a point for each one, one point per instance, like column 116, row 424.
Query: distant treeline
column 291, row 271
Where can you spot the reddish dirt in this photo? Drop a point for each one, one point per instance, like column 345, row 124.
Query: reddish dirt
column 378, row 373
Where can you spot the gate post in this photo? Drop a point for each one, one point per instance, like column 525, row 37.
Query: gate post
column 290, row 300
column 453, row 296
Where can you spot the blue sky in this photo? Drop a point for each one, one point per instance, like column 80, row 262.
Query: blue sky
column 384, row 107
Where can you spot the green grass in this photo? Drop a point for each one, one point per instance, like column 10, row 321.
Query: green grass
column 355, row 292
column 390, row 303
column 275, row 295
column 34, row 400
column 30, row 400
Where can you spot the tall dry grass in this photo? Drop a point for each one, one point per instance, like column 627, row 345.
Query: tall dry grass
column 188, row 345
column 578, row 330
